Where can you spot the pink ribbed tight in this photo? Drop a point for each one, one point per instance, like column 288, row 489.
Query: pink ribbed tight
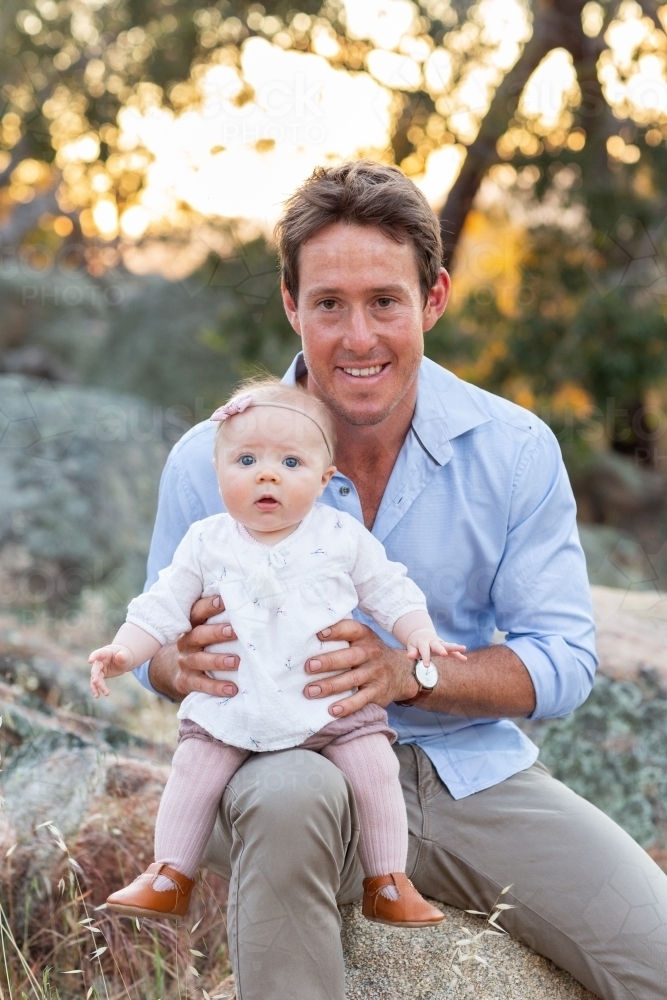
column 203, row 767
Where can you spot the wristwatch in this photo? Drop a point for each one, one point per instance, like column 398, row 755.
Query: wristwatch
column 427, row 678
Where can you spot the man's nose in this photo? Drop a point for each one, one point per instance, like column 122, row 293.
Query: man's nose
column 360, row 337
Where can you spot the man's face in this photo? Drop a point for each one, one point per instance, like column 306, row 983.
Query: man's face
column 361, row 317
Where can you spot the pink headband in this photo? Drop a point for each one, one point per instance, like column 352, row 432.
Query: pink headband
column 241, row 403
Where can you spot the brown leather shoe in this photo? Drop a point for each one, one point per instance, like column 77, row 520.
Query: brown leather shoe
column 140, row 899
column 409, row 910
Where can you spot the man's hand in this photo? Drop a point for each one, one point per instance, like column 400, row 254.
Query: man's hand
column 181, row 667
column 381, row 673
column 492, row 684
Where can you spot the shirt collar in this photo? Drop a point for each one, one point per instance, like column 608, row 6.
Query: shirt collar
column 445, row 407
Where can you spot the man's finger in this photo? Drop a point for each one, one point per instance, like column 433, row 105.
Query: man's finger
column 202, row 662
column 341, row 682
column 340, row 659
column 204, row 635
column 207, row 685
column 205, row 608
column 348, row 629
column 352, row 704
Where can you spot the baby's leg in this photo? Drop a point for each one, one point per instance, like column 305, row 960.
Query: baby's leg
column 371, row 767
column 200, row 771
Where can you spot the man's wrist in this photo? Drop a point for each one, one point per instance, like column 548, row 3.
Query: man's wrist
column 411, row 686
column 160, row 673
column 426, row 680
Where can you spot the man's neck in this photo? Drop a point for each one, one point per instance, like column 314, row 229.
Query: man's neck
column 367, row 454
column 371, row 447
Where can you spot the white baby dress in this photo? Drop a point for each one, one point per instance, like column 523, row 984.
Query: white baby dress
column 277, row 599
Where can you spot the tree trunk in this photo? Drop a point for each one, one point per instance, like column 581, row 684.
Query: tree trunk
column 555, row 25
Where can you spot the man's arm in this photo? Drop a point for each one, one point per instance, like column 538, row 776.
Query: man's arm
column 493, row 683
column 540, row 597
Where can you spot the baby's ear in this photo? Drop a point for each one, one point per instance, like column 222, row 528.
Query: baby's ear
column 326, row 476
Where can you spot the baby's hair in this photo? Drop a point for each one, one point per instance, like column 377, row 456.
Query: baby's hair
column 269, row 389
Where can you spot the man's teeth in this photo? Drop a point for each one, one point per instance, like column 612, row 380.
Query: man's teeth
column 363, row 372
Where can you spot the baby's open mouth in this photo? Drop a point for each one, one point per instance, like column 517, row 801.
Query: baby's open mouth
column 267, row 503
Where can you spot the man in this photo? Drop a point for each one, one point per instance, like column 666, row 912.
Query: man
column 469, row 491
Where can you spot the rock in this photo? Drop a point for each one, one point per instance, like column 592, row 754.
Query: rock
column 432, row 964
column 613, row 749
column 420, row 965
column 615, row 558
column 80, row 800
column 80, row 471
column 70, row 771
column 613, row 752
column 631, row 631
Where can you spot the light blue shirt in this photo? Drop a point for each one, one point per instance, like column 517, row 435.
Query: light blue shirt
column 480, row 510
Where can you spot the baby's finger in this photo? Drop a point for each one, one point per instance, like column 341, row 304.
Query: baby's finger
column 458, row 656
column 425, row 652
column 99, row 655
column 439, row 648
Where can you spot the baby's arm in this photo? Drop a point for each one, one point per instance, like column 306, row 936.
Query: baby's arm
column 386, row 592
column 416, row 632
column 131, row 646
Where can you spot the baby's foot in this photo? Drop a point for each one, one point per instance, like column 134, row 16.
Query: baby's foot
column 409, row 909
column 143, row 899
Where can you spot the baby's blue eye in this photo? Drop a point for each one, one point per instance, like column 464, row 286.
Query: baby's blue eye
column 246, row 460
column 291, row 463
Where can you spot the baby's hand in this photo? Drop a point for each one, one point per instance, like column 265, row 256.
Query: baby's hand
column 108, row 661
column 423, row 641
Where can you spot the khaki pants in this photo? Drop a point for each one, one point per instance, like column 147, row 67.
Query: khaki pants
column 586, row 895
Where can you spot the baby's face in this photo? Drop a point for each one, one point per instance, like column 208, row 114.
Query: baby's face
column 272, row 465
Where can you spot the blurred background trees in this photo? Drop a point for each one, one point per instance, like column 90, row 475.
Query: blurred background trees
column 146, row 145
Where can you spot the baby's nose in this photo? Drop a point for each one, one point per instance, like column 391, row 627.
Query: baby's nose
column 268, row 474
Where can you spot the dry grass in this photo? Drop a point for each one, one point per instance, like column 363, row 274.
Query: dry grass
column 64, row 944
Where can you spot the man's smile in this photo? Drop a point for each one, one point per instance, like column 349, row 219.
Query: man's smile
column 367, row 372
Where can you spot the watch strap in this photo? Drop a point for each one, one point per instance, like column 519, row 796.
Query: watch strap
column 420, row 696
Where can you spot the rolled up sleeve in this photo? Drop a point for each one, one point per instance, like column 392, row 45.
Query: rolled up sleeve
column 541, row 593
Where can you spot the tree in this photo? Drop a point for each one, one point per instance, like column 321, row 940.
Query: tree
column 67, row 69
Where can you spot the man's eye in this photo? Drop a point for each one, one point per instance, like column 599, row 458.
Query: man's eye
column 328, row 304
column 384, row 301
column 246, row 460
column 291, row 463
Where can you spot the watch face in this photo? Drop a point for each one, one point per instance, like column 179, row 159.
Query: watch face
column 427, row 676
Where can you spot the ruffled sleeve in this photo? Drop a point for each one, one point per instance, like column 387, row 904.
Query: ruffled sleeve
column 385, row 591
column 164, row 610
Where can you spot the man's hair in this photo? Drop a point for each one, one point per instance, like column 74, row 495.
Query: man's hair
column 268, row 389
column 362, row 193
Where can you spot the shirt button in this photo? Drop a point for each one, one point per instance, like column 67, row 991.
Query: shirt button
column 344, row 490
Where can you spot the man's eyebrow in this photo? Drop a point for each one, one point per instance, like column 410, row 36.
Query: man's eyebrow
column 378, row 290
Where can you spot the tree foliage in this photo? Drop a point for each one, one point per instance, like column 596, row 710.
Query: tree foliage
column 586, row 322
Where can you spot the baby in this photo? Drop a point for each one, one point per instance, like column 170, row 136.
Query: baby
column 286, row 568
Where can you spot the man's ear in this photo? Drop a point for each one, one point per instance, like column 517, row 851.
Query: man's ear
column 291, row 310
column 437, row 300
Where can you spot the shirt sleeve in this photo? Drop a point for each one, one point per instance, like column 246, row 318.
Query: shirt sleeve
column 178, row 507
column 385, row 591
column 164, row 609
column 541, row 593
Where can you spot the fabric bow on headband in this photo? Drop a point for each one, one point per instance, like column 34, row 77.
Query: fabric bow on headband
column 237, row 405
